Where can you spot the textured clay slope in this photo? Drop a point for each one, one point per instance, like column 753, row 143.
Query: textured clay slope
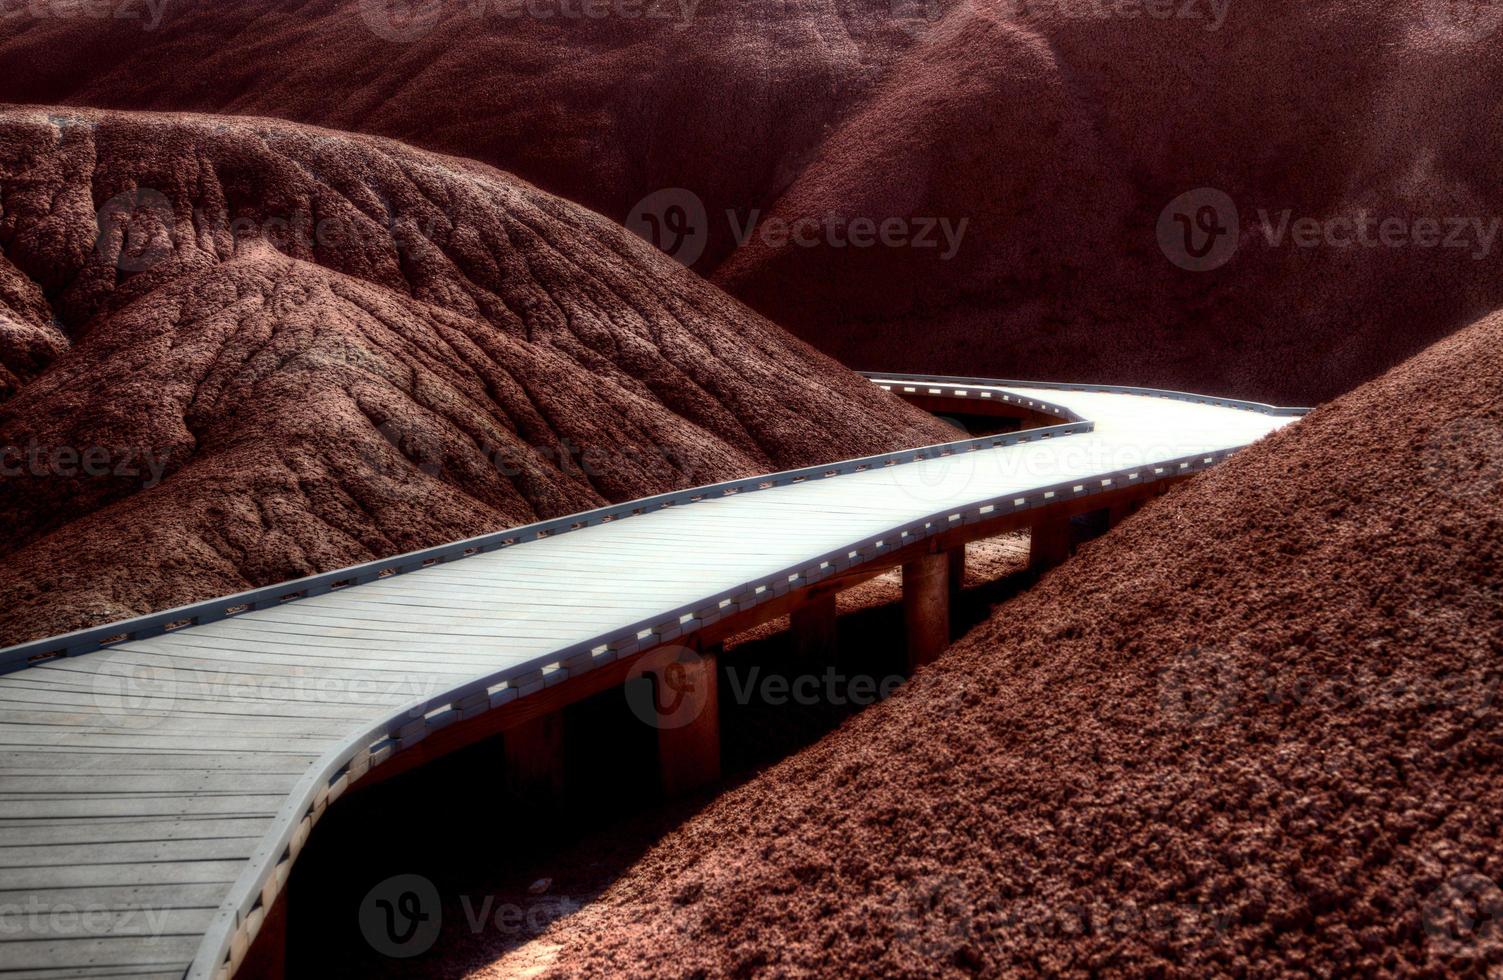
column 1061, row 132
column 727, row 98
column 1253, row 730
column 271, row 350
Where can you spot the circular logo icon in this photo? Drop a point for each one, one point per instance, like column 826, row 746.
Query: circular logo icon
column 401, row 916
column 1464, row 458
column 1200, row 688
column 417, row 447
column 1199, row 230
column 1464, row 916
column 675, row 221
column 934, row 919
column 938, row 478
column 669, row 687
column 137, row 230
column 400, row 21
column 1464, row 20
column 134, row 696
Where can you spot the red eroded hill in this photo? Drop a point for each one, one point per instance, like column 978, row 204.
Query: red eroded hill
column 1333, row 165
column 600, row 101
column 1030, row 158
column 240, row 351
column 1254, row 729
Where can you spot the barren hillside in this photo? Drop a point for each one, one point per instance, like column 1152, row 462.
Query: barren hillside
column 1069, row 148
column 725, row 98
column 1272, row 199
column 1256, row 729
column 239, row 351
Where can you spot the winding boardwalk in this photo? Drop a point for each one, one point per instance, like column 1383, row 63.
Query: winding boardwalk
column 160, row 776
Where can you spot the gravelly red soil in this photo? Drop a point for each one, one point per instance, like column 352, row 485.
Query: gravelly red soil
column 245, row 351
column 1255, row 730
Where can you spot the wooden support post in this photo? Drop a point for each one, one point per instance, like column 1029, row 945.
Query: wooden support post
column 957, row 571
column 1049, row 543
column 814, row 629
column 688, row 695
column 534, row 753
column 926, row 607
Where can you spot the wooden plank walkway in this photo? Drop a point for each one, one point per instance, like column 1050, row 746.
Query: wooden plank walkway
column 153, row 794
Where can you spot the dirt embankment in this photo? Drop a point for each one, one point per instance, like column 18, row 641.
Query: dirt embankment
column 241, row 351
column 1254, row 729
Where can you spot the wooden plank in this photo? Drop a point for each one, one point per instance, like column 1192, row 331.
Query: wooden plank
column 111, row 951
column 177, row 781
column 56, row 877
column 150, row 760
column 78, row 832
column 128, row 852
